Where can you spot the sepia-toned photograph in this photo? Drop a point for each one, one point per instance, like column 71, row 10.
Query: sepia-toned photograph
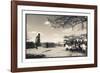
column 52, row 36
column 55, row 36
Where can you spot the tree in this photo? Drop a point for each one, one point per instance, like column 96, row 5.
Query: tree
column 67, row 21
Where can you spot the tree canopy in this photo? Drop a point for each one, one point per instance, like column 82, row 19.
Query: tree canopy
column 67, row 21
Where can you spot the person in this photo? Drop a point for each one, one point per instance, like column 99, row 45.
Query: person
column 37, row 41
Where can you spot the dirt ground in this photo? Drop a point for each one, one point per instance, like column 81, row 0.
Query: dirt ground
column 53, row 52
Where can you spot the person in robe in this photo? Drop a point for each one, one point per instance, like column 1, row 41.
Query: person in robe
column 37, row 41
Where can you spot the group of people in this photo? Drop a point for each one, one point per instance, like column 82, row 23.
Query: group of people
column 77, row 45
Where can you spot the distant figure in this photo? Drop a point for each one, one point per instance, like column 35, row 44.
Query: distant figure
column 47, row 45
column 66, row 46
column 37, row 41
column 84, row 47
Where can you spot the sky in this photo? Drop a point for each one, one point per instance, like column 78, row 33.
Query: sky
column 38, row 24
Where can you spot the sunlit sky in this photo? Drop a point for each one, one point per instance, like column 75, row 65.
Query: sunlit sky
column 38, row 24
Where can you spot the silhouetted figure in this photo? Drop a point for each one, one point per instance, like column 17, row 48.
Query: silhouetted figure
column 47, row 45
column 37, row 41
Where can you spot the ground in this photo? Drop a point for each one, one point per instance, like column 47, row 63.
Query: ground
column 53, row 52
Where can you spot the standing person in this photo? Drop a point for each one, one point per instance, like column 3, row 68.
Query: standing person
column 37, row 41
